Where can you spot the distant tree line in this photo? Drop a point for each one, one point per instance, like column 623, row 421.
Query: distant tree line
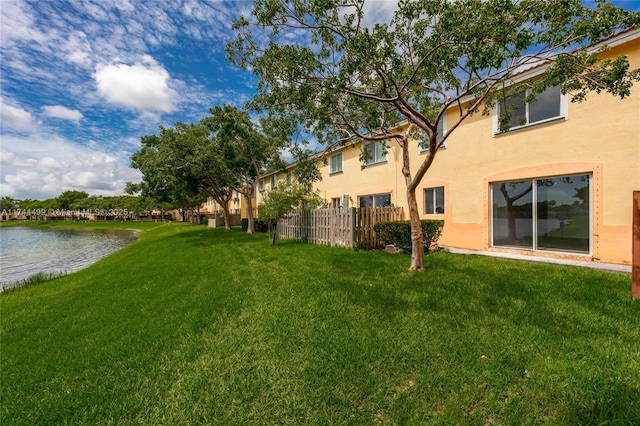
column 80, row 200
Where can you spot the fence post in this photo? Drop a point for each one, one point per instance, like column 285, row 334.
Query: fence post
column 352, row 226
column 635, row 268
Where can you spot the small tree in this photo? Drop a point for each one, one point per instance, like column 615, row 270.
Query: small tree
column 279, row 201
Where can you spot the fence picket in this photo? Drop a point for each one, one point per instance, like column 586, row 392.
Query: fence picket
column 337, row 227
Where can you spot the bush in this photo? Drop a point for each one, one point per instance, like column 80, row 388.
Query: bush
column 399, row 233
column 431, row 231
column 258, row 225
column 396, row 233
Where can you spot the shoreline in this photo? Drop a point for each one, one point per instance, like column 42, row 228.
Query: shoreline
column 43, row 276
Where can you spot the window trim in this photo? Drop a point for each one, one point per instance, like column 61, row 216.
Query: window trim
column 373, row 162
column 261, row 185
column 273, row 181
column 563, row 116
column 333, row 172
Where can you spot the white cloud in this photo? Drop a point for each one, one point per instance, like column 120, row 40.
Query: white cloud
column 378, row 12
column 142, row 87
column 49, row 163
column 16, row 118
column 44, row 166
column 59, row 111
column 78, row 49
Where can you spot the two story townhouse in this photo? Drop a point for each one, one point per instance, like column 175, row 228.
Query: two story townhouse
column 558, row 183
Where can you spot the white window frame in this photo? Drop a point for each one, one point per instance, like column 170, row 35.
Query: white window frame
column 378, row 158
column 335, row 202
column 273, row 181
column 435, row 200
column 423, row 136
column 564, row 114
column 261, row 185
column 339, row 169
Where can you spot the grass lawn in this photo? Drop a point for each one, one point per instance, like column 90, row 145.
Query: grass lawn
column 192, row 325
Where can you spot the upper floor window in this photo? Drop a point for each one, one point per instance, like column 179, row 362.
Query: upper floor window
column 548, row 105
column 434, row 200
column 423, row 142
column 375, row 152
column 335, row 163
column 261, row 185
column 274, row 182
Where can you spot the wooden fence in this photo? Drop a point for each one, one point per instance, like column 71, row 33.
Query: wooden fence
column 338, row 227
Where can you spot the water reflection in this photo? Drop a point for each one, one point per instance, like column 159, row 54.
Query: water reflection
column 26, row 251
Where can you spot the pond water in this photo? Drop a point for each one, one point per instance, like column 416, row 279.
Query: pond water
column 27, row 251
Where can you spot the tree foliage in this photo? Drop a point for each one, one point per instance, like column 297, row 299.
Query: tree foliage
column 166, row 179
column 324, row 67
column 279, row 201
column 249, row 151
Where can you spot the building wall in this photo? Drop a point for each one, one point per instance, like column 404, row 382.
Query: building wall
column 600, row 136
column 237, row 205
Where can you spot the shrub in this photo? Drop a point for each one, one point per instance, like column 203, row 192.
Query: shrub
column 258, row 225
column 399, row 233
column 431, row 231
column 396, row 233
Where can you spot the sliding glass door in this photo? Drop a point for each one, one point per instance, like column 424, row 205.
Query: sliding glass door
column 542, row 214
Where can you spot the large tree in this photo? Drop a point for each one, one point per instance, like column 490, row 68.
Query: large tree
column 250, row 151
column 165, row 179
column 324, row 67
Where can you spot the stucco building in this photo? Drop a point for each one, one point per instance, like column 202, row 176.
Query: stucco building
column 558, row 183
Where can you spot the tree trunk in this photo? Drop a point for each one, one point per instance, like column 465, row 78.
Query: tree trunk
column 273, row 230
column 417, row 239
column 227, row 221
column 250, row 226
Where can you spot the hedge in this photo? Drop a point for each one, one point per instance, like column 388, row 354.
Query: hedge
column 399, row 233
column 258, row 225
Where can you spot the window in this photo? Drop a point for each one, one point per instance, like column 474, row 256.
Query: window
column 543, row 214
column 335, row 202
column 434, row 200
column 548, row 105
column 375, row 153
column 423, row 140
column 261, row 185
column 335, row 163
column 274, row 182
column 378, row 200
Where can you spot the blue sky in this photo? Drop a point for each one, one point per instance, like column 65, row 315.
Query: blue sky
column 81, row 82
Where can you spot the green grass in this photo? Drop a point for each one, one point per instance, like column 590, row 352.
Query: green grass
column 191, row 325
